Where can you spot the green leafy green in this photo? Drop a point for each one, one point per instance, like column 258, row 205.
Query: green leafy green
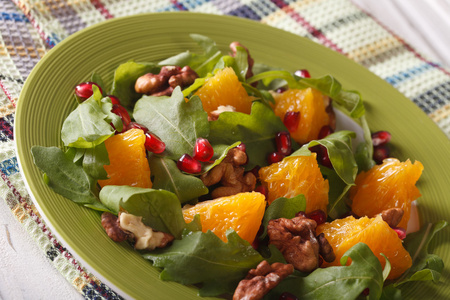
column 283, row 208
column 257, row 131
column 344, row 282
column 239, row 63
column 93, row 161
column 111, row 117
column 202, row 64
column 98, row 80
column 125, row 78
column 159, row 209
column 337, row 205
column 65, row 177
column 168, row 177
column 220, row 152
column 204, row 258
column 177, row 122
column 339, row 149
column 86, row 126
column 425, row 266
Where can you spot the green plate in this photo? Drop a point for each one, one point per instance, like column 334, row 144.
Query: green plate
column 47, row 99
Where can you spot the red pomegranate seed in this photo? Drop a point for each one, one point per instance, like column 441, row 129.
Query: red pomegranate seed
column 137, row 126
column 324, row 158
column 287, row 296
column 189, row 165
column 263, row 190
column 242, row 147
column 255, row 171
column 122, row 113
column 114, row 99
column 255, row 243
column 380, row 153
column 317, row 215
column 281, row 90
column 203, row 151
column 301, row 214
column 380, row 138
column 291, row 120
column 283, row 141
column 84, row 90
column 366, row 292
column 154, row 143
column 275, row 157
column 325, row 131
column 303, row 73
column 401, row 232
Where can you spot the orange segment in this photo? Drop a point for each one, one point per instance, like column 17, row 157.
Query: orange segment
column 128, row 163
column 224, row 88
column 342, row 234
column 311, row 105
column 297, row 175
column 242, row 212
column 389, row 185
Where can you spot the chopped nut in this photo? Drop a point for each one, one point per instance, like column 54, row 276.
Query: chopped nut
column 392, row 216
column 111, row 225
column 231, row 176
column 325, row 249
column 162, row 84
column 145, row 237
column 261, row 280
column 222, row 108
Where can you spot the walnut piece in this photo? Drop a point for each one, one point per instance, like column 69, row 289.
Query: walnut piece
column 231, row 175
column 222, row 108
column 261, row 280
column 145, row 237
column 392, row 216
column 110, row 223
column 163, row 84
column 296, row 239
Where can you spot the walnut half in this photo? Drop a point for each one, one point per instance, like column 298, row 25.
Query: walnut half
column 261, row 280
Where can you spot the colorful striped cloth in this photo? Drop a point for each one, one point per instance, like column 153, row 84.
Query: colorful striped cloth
column 30, row 28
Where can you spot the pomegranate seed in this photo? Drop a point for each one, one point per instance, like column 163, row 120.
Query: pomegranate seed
column 154, row 143
column 84, row 90
column 203, row 151
column 281, row 90
column 122, row 113
column 366, row 292
column 242, row 147
column 255, row 243
column 380, row 153
column 380, row 138
column 287, row 296
column 275, row 157
column 137, row 126
column 263, row 190
column 401, row 232
column 317, row 215
column 325, row 158
column 301, row 214
column 114, row 99
column 325, row 131
column 189, row 165
column 303, row 73
column 291, row 120
column 283, row 140
column 255, row 171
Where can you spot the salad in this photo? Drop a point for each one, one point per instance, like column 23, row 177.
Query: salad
column 230, row 175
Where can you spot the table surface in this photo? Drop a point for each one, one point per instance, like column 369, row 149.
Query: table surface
column 423, row 24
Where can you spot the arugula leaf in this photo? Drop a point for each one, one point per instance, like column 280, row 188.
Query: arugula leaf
column 257, row 131
column 159, row 209
column 65, row 177
column 111, row 117
column 239, row 63
column 344, row 282
column 85, row 127
column 282, row 208
column 204, row 258
column 178, row 122
column 98, row 80
column 200, row 63
column 93, row 161
column 337, row 205
column 125, row 78
column 220, row 152
column 391, row 293
column 339, row 149
column 425, row 266
column 168, row 177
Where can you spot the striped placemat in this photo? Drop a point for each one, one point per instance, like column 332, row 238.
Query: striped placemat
column 30, row 28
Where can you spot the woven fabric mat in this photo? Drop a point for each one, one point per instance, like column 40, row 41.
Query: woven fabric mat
column 30, row 28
